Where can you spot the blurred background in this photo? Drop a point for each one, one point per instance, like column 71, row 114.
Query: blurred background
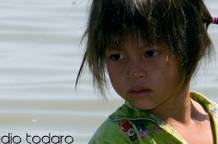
column 40, row 54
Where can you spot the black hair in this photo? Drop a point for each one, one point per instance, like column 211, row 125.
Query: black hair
column 181, row 24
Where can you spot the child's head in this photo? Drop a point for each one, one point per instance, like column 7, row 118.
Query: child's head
column 179, row 25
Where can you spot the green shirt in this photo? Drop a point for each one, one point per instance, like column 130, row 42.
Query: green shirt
column 129, row 125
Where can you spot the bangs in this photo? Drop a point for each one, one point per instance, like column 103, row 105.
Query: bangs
column 147, row 20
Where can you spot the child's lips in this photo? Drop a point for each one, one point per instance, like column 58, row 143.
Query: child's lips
column 138, row 91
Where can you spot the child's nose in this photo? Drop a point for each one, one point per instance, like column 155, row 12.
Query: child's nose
column 136, row 70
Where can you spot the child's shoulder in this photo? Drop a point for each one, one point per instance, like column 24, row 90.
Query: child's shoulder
column 126, row 125
column 203, row 100
column 209, row 105
column 112, row 130
column 109, row 132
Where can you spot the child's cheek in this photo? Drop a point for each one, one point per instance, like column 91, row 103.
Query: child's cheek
column 168, row 60
column 170, row 67
column 113, row 70
column 162, row 65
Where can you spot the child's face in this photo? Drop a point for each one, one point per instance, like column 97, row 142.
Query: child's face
column 144, row 76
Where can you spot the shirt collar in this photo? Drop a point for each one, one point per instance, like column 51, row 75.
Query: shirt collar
column 127, row 111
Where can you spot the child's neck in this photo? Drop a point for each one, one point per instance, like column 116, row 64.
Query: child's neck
column 176, row 109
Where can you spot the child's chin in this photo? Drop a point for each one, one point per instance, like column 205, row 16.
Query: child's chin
column 143, row 105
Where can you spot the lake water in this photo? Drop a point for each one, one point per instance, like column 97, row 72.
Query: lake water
column 40, row 55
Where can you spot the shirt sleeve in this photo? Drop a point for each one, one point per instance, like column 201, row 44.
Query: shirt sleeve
column 110, row 133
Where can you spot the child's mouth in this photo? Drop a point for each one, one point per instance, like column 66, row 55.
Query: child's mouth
column 139, row 91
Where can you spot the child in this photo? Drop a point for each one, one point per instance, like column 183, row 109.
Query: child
column 151, row 49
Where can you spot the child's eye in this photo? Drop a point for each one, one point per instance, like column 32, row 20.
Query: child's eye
column 151, row 53
column 116, row 57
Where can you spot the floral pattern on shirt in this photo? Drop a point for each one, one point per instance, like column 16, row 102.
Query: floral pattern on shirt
column 128, row 129
column 129, row 125
column 140, row 125
column 214, row 111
